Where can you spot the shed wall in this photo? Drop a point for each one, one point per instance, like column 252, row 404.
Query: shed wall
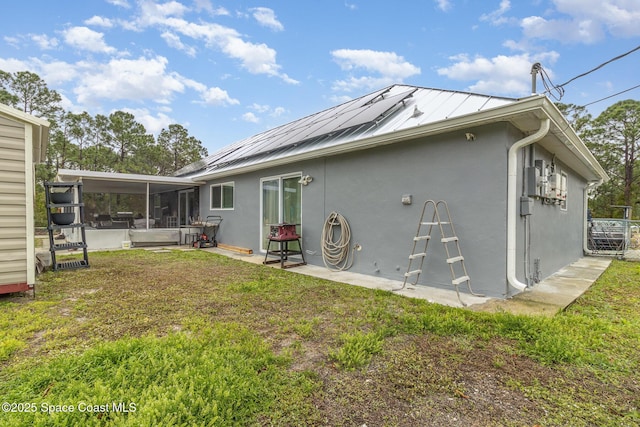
column 13, row 203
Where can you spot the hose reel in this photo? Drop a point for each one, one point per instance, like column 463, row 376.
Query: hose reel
column 336, row 253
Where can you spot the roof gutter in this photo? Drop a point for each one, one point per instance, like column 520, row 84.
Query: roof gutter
column 512, row 200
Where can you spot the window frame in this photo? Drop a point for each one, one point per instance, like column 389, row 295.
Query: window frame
column 221, row 186
column 564, row 190
column 280, row 202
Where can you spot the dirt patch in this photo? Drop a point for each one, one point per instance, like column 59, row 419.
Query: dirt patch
column 428, row 380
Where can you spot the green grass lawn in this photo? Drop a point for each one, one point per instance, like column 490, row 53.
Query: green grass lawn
column 193, row 338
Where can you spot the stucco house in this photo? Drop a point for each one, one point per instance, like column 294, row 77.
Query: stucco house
column 23, row 143
column 513, row 172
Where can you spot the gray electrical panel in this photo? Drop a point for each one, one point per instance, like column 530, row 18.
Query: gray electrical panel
column 532, row 175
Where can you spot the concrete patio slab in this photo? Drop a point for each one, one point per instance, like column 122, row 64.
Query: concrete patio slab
column 546, row 298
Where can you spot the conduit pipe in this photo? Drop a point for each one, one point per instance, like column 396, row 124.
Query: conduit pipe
column 512, row 200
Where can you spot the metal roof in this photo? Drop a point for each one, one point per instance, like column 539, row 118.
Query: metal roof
column 393, row 114
column 388, row 110
column 125, row 183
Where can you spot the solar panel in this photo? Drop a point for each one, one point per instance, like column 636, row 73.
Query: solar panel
column 299, row 130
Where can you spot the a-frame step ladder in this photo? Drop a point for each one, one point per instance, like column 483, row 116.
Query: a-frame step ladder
column 448, row 238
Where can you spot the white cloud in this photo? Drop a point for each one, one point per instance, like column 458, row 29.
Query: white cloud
column 497, row 16
column 84, row 38
column 267, row 109
column 12, row 65
column 137, row 80
column 267, row 18
column 99, row 21
column 443, row 5
column 351, row 6
column 44, row 41
column 259, row 108
column 217, row 96
column 278, row 111
column 152, row 123
column 256, row 58
column 207, row 6
column 619, row 17
column 250, row 117
column 120, row 3
column 587, row 21
column 504, row 75
column 174, row 41
column 152, row 14
column 55, row 73
column 12, row 41
column 130, row 79
column 585, row 31
column 388, row 68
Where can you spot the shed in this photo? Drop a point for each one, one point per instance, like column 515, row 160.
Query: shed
column 23, row 143
column 513, row 171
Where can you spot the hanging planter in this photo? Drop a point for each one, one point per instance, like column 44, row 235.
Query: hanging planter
column 60, row 198
column 63, row 218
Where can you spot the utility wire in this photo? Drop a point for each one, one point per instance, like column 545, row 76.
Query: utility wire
column 599, row 66
column 550, row 87
column 611, row 96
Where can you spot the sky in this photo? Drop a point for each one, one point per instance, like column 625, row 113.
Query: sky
column 226, row 70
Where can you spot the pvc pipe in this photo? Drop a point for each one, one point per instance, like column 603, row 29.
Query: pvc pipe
column 512, row 200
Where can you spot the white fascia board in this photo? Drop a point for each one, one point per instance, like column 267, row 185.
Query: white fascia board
column 70, row 174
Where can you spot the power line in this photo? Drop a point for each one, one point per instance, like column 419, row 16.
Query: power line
column 549, row 87
column 600, row 66
column 611, row 96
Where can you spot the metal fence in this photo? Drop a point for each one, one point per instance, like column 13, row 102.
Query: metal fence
column 613, row 236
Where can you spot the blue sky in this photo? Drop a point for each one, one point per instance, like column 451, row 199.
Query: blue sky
column 227, row 70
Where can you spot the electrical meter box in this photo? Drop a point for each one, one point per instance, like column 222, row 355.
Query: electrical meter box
column 555, row 186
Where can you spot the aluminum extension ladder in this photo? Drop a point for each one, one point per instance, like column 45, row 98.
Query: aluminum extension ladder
column 448, row 238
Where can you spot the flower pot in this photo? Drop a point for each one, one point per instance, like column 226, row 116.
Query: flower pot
column 57, row 198
column 63, row 218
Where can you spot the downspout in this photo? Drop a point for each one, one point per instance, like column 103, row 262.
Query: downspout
column 512, row 200
column 585, row 224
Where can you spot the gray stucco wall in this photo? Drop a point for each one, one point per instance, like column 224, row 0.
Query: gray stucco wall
column 366, row 187
column 555, row 234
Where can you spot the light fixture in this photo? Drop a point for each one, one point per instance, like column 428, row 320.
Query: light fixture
column 305, row 180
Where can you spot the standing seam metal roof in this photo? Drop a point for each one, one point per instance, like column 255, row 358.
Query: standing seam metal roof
column 388, row 110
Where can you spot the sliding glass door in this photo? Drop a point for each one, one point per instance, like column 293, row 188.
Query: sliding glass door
column 281, row 202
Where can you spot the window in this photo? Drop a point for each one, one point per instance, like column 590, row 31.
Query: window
column 222, row 196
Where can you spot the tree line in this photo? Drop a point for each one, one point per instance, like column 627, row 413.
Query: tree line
column 118, row 143
column 113, row 143
column 614, row 139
